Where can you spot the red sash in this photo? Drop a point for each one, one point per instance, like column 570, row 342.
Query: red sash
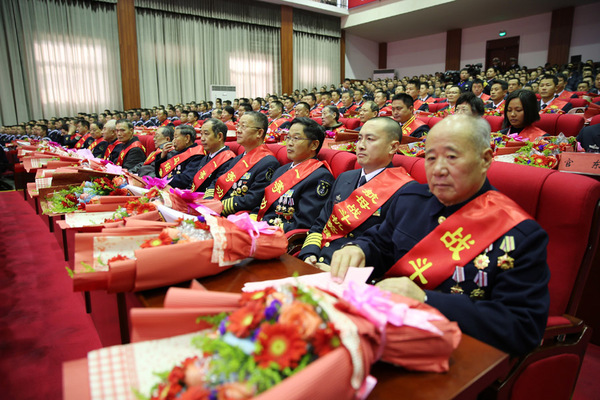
column 556, row 104
column 386, row 111
column 285, row 182
column 363, row 202
column 409, row 126
column 168, row 166
column 417, row 104
column 152, row 156
column 459, row 239
column 95, row 143
column 81, row 141
column 165, row 122
column 211, row 167
column 226, row 181
column 531, row 133
column 276, row 123
column 124, row 152
column 110, row 148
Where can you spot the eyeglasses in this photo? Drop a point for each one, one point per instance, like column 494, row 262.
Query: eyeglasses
column 244, row 127
column 294, row 139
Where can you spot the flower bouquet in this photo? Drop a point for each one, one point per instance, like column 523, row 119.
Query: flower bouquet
column 74, row 198
column 347, row 146
column 299, row 342
column 414, row 149
column 506, row 144
column 551, row 109
column 154, row 254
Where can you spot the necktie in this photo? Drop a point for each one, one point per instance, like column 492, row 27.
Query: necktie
column 362, row 181
column 543, row 106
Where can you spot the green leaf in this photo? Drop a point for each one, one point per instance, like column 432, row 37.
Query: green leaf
column 138, row 395
column 70, row 272
column 87, row 267
column 213, row 320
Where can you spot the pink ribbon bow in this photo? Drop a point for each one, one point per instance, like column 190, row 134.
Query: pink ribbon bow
column 254, row 228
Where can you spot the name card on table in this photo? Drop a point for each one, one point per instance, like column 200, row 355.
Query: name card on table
column 580, row 163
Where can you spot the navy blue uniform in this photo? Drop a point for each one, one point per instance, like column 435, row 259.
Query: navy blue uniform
column 513, row 312
column 248, row 191
column 226, row 166
column 302, row 203
column 342, row 188
column 183, row 174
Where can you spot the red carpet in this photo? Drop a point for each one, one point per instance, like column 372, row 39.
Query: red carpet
column 42, row 322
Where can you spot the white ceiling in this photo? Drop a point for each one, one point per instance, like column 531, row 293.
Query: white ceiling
column 393, row 20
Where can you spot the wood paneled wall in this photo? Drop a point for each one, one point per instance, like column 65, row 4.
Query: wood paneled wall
column 130, row 76
column 561, row 28
column 453, row 46
column 287, row 49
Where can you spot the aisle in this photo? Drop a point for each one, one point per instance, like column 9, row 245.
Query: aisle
column 42, row 322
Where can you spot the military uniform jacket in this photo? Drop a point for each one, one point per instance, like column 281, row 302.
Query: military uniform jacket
column 133, row 160
column 210, row 180
column 248, row 191
column 513, row 312
column 300, row 205
column 182, row 175
column 100, row 148
column 343, row 186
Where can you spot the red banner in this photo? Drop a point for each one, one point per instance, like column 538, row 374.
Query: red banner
column 356, row 3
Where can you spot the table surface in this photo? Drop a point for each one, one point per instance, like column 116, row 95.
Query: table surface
column 474, row 365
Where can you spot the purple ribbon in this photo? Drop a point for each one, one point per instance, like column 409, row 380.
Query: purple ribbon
column 151, row 182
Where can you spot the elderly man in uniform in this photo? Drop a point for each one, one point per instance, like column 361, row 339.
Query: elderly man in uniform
column 179, row 160
column 241, row 188
column 129, row 153
column 162, row 136
column 360, row 198
column 461, row 246
column 218, row 156
column 299, row 189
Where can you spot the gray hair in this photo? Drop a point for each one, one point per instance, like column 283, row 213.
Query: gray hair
column 480, row 132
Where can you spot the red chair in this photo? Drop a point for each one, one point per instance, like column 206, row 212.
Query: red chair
column 235, row 147
column 339, row 161
column 578, row 102
column 569, row 124
column 148, row 143
column 441, row 100
column 495, row 122
column 318, row 120
column 350, row 123
column 595, row 120
column 280, row 152
column 431, row 121
column 547, row 123
column 435, row 107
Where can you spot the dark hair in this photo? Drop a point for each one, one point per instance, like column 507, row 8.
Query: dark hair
column 477, row 81
column 231, row 111
column 218, row 126
column 312, row 130
column 278, row 104
column 374, row 107
column 304, row 104
column 99, row 124
column 188, row 131
column 167, row 131
column 84, row 123
column 260, row 119
column 405, row 98
column 334, row 110
column 385, row 94
column 475, row 102
column 502, row 83
column 530, row 107
column 548, row 76
column 312, row 96
column 245, row 106
column 415, row 82
column 195, row 114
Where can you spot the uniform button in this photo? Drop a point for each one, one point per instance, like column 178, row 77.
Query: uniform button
column 327, row 244
column 441, row 219
column 351, row 234
column 321, row 259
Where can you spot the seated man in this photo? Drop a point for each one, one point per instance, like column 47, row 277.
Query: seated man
column 129, row 153
column 360, row 198
column 561, row 92
column 146, row 120
column 83, row 129
column 477, row 89
column 348, row 108
column 162, row 136
column 276, row 118
column 241, row 188
column 497, row 94
column 369, row 110
column 110, row 138
column 514, row 84
column 98, row 145
column 452, row 94
column 548, row 102
column 412, row 89
column 589, row 137
column 179, row 160
column 299, row 189
column 218, row 156
column 461, row 246
column 403, row 113
column 381, row 99
column 468, row 103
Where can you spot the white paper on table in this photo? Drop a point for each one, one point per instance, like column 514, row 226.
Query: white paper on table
column 171, row 215
column 107, row 247
column 115, row 370
column 137, row 191
column 322, row 281
column 507, row 158
column 79, row 220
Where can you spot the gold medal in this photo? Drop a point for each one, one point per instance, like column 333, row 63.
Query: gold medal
column 481, row 261
column 456, row 289
column 477, row 293
column 441, row 219
column 506, row 262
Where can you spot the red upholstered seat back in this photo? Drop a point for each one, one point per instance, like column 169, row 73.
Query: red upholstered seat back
column 235, row 147
column 339, row 161
column 495, row 122
column 404, row 161
column 350, row 123
column 595, row 120
column 148, row 142
column 570, row 124
column 578, row 102
column 431, row 121
column 280, row 153
column 434, row 107
column 547, row 123
column 318, row 120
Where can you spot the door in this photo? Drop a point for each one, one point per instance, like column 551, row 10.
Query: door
column 504, row 49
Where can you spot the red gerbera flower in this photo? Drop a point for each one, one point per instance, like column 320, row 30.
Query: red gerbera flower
column 162, row 240
column 242, row 321
column 326, row 340
column 152, row 193
column 259, row 295
column 280, row 344
column 201, row 225
column 118, row 257
column 195, row 393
